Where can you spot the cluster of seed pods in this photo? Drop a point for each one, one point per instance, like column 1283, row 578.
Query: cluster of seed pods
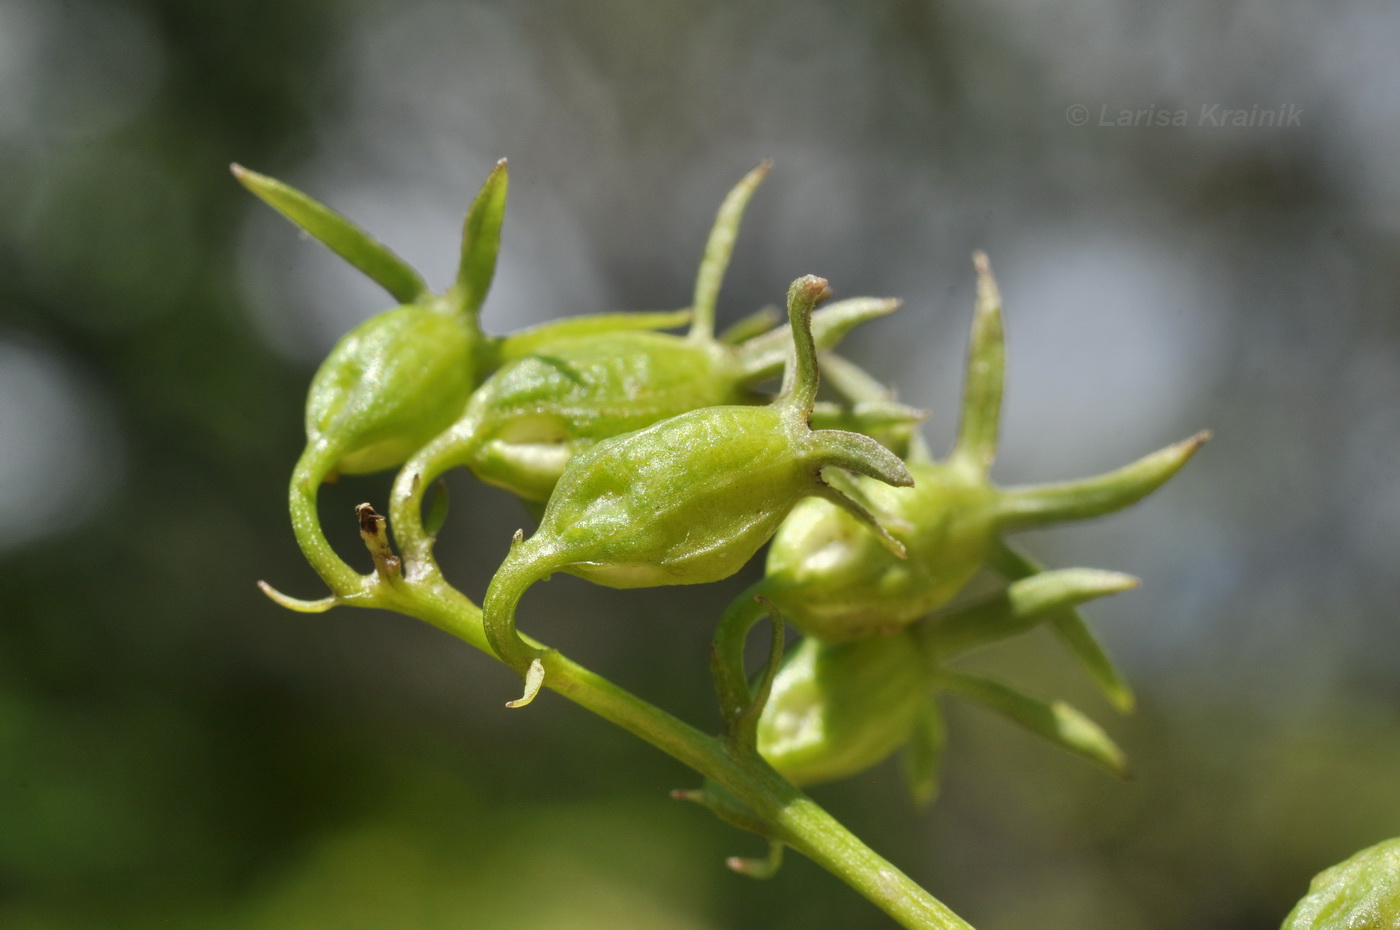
column 651, row 459
column 879, row 635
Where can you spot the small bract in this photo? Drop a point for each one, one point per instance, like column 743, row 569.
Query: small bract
column 687, row 500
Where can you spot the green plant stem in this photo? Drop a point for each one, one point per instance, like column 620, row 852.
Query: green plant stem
column 792, row 817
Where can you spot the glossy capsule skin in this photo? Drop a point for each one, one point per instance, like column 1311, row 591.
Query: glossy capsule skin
column 1361, row 893
column 531, row 417
column 687, row 500
column 834, row 580
column 403, row 376
column 534, row 415
column 389, row 386
column 838, row 709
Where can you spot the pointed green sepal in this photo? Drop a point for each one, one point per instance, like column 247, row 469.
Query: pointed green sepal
column 718, row 249
column 850, row 380
column 340, row 235
column 921, row 762
column 531, row 341
column 755, row 324
column 1056, row 721
column 855, row 384
column 1020, row 607
column 764, row 356
column 1031, row 506
column 849, row 486
column 864, row 456
column 481, row 243
column 726, row 806
column 1072, row 631
column 976, row 445
column 865, row 416
column 855, row 509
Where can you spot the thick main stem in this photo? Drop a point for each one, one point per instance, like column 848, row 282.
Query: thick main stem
column 794, row 818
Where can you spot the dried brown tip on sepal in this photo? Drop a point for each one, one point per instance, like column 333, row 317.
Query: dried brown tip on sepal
column 295, row 603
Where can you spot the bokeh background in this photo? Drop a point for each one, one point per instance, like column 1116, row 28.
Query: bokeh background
column 177, row 751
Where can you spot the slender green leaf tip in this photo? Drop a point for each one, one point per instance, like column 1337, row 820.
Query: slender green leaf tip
column 1023, row 605
column 338, row 234
column 718, row 249
column 1030, row 506
column 976, row 444
column 481, row 243
column 1071, row 629
column 1055, row 721
column 922, row 759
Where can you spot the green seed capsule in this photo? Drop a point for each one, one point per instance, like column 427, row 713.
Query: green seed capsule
column 833, row 579
column 687, row 500
column 1362, row 893
column 528, row 420
column 389, row 386
column 838, row 709
column 404, row 376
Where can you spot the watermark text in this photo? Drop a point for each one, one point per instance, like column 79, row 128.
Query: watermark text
column 1207, row 116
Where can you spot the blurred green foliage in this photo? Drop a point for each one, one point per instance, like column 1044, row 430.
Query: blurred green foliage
column 176, row 750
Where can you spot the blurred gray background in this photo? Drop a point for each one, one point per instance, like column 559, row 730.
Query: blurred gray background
column 174, row 749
